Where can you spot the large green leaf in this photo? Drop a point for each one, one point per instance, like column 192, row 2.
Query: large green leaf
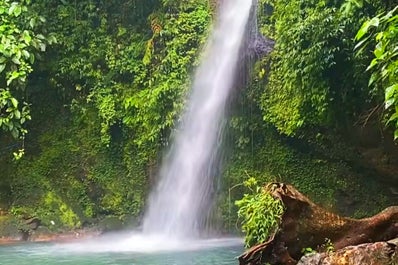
column 393, row 117
column 14, row 102
column 388, row 103
column 390, row 91
column 365, row 27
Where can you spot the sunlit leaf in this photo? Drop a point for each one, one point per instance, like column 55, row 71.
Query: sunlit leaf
column 365, row 27
column 372, row 64
column 390, row 91
column 359, row 44
column 388, row 103
column 393, row 117
column 15, row 60
column 26, row 54
column 14, row 75
column 14, row 102
column 17, row 10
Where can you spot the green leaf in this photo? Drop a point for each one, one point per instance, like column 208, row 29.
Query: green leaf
column 14, row 102
column 12, row 8
column 379, row 36
column 26, row 37
column 359, row 44
column 393, row 117
column 17, row 114
column 15, row 60
column 14, row 75
column 32, row 22
column 389, row 93
column 365, row 27
column 374, row 77
column 2, row 67
column 14, row 133
column 372, row 64
column 396, row 134
column 32, row 58
column 17, row 10
column 389, row 103
column 26, row 54
column 379, row 51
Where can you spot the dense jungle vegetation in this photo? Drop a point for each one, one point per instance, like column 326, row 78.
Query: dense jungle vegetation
column 90, row 91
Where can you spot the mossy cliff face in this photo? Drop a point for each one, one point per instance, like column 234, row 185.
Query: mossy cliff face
column 103, row 105
column 303, row 117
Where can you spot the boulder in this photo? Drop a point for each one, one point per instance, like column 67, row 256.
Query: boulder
column 379, row 253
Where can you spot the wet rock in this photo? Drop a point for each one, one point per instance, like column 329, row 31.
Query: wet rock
column 260, row 45
column 32, row 223
column 379, row 253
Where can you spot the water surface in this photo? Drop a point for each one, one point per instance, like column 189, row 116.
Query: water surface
column 110, row 250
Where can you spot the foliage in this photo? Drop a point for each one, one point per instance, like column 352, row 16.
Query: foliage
column 171, row 52
column 103, row 103
column 21, row 42
column 105, row 97
column 298, row 90
column 327, row 172
column 260, row 213
column 381, row 32
column 314, row 80
column 308, row 251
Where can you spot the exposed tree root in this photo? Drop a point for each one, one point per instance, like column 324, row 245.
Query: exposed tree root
column 305, row 224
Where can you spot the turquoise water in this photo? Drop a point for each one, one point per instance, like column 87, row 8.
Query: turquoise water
column 116, row 252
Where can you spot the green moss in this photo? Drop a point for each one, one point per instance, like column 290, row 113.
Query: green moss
column 63, row 212
column 335, row 185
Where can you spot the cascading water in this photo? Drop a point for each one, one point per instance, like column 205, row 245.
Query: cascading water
column 177, row 205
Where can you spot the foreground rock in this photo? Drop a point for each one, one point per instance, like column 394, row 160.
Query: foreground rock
column 379, row 253
column 306, row 225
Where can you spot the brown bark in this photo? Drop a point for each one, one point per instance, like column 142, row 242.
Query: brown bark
column 305, row 224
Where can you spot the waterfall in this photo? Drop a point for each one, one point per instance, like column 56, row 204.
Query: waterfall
column 181, row 198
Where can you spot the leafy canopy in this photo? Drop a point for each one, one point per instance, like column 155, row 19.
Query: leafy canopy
column 381, row 33
column 20, row 43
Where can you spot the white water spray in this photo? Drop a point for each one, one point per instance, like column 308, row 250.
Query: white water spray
column 177, row 205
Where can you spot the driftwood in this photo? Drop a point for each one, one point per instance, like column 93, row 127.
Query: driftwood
column 307, row 225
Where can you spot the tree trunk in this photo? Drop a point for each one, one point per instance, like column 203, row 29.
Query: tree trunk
column 307, row 225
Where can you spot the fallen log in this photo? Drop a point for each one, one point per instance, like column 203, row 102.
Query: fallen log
column 307, row 225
